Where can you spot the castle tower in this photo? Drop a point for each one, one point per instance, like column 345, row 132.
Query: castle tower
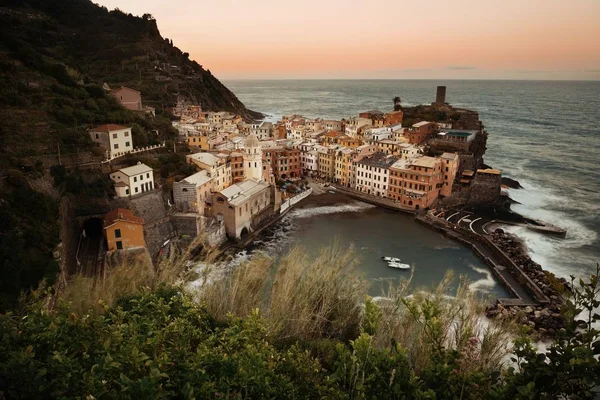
column 252, row 158
column 440, row 97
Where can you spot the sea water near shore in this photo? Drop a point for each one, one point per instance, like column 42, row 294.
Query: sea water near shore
column 544, row 134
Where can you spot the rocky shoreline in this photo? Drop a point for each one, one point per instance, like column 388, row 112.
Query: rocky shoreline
column 544, row 319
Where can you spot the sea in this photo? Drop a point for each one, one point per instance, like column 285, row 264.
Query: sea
column 545, row 134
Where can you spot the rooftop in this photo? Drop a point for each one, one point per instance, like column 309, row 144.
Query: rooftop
column 449, row 156
column 121, row 214
column 420, row 124
column 425, row 161
column 489, row 171
column 237, row 194
column 206, row 158
column 199, row 178
column 108, row 128
column 379, row 159
column 136, row 169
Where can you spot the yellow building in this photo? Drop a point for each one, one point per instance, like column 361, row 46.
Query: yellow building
column 347, row 141
column 343, row 166
column 123, row 230
column 326, row 162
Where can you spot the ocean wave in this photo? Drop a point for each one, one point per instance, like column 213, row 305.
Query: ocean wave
column 486, row 284
column 323, row 210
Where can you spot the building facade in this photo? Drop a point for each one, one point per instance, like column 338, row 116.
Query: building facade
column 190, row 194
column 133, row 180
column 373, row 173
column 116, row 140
column 416, row 182
column 123, row 230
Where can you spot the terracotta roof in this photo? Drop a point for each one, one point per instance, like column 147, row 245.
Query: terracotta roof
column 332, row 134
column 127, row 88
column 108, row 128
column 121, row 214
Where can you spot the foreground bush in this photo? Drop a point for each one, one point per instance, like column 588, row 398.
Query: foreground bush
column 158, row 341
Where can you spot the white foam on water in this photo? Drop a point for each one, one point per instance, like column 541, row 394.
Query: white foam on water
column 486, row 284
column 324, row 210
column 554, row 253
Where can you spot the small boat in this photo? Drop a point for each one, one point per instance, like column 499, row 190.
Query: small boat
column 392, row 259
column 398, row 265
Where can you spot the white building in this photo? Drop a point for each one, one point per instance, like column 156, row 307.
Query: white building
column 253, row 168
column 373, row 174
column 218, row 166
column 190, row 194
column 133, row 180
column 309, row 161
column 115, row 139
column 377, row 134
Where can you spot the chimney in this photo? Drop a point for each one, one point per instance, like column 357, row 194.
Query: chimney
column 440, row 97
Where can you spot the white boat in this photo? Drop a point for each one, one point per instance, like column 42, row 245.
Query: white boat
column 392, row 259
column 398, row 265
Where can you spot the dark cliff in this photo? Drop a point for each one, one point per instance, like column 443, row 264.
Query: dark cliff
column 56, row 54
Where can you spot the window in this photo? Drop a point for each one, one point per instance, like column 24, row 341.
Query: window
column 126, row 134
column 117, row 233
column 97, row 136
column 136, row 190
column 148, row 175
column 119, row 245
column 126, row 191
column 127, row 144
column 135, row 178
column 116, row 146
column 114, row 135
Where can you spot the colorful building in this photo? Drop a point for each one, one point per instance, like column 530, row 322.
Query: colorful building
column 116, row 140
column 373, row 172
column 190, row 194
column 123, row 230
column 416, row 182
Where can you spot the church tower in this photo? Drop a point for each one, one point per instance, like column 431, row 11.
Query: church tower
column 253, row 158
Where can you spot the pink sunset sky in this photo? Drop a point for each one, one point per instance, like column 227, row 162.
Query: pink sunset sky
column 460, row 39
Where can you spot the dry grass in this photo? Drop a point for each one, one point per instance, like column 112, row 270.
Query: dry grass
column 128, row 273
column 430, row 320
column 301, row 297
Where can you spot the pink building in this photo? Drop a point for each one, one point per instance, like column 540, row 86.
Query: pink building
column 128, row 98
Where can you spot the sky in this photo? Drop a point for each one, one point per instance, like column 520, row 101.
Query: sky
column 382, row 39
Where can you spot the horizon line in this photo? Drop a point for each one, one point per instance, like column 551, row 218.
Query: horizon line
column 410, row 79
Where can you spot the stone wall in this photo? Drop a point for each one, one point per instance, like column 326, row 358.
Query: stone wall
column 485, row 189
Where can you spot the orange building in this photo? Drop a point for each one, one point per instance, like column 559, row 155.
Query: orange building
column 393, row 117
column 123, row 230
column 237, row 166
column 420, row 132
column 416, row 182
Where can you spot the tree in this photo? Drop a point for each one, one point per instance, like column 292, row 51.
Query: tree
column 397, row 101
column 569, row 368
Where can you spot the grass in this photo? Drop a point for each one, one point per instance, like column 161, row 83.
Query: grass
column 308, row 299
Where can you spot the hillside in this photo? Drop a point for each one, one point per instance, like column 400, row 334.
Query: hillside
column 56, row 54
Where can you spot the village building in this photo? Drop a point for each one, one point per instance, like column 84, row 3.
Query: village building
column 253, row 156
column 377, row 134
column 420, row 132
column 416, row 182
column 326, row 161
column 343, row 166
column 190, row 194
column 389, row 146
column 286, row 163
column 373, row 172
column 116, row 140
column 237, row 166
column 242, row 207
column 408, row 150
column 123, row 230
column 393, row 118
column 133, row 180
column 450, row 163
column 218, row 165
column 333, row 125
column 129, row 98
column 309, row 162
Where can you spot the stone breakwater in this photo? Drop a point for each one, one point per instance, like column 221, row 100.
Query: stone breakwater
column 545, row 319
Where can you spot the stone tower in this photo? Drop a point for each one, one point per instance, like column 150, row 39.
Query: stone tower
column 252, row 158
column 440, row 97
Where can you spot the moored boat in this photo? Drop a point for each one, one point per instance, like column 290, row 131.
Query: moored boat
column 398, row 265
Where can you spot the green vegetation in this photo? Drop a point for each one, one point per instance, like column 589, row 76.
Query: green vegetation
column 297, row 332
column 28, row 236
